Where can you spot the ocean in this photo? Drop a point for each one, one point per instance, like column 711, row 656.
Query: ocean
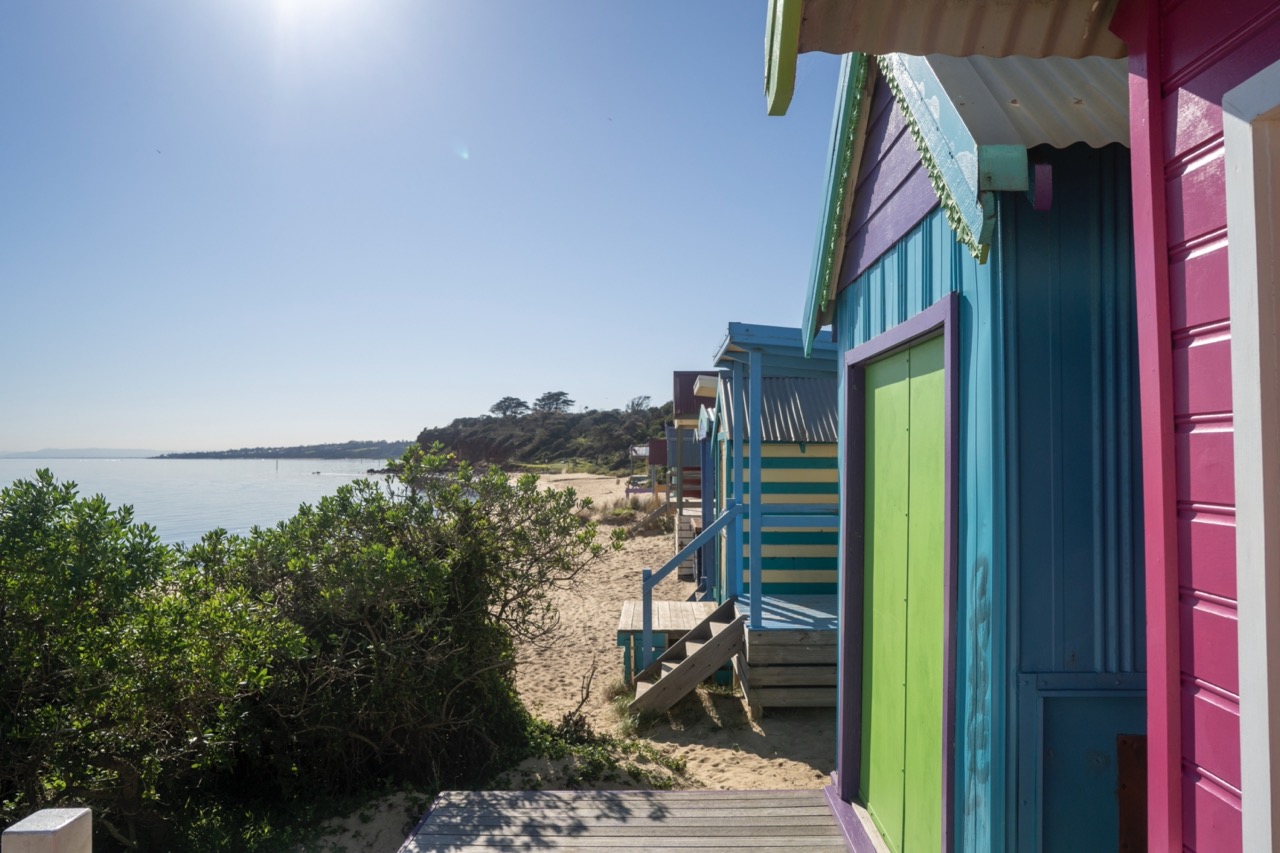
column 185, row 498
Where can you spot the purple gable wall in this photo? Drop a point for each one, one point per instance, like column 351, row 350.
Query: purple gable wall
column 892, row 193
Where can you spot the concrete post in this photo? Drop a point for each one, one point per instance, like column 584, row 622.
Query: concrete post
column 50, row 831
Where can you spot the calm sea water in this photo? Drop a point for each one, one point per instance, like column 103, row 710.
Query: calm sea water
column 185, row 498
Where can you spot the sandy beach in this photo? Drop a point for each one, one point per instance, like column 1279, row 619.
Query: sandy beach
column 722, row 747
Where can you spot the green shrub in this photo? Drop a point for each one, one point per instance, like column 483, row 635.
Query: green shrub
column 367, row 640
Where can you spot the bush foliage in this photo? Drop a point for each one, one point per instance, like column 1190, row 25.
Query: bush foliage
column 602, row 439
column 367, row 640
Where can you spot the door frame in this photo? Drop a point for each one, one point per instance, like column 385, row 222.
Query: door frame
column 941, row 318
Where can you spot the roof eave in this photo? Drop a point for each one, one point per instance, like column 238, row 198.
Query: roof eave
column 848, row 130
column 1068, row 28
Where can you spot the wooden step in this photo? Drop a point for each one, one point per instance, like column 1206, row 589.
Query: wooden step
column 698, row 632
column 690, row 662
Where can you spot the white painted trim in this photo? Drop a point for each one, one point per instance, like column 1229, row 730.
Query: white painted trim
column 1251, row 125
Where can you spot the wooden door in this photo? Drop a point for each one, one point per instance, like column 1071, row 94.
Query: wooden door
column 902, row 764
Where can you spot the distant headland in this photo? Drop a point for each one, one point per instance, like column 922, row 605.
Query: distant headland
column 345, row 450
column 79, row 453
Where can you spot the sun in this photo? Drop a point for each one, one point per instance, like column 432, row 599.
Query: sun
column 293, row 16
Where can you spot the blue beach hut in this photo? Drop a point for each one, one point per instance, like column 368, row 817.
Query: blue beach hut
column 797, row 462
column 770, row 465
column 975, row 264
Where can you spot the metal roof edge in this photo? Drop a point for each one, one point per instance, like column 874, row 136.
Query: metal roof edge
column 847, row 127
column 963, row 173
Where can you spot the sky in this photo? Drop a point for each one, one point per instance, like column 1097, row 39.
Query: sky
column 232, row 223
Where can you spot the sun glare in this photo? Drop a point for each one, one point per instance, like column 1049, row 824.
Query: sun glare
column 294, row 17
column 324, row 36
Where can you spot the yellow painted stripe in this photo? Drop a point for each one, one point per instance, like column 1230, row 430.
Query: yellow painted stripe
column 799, row 475
column 797, row 499
column 784, row 576
column 794, row 550
column 794, row 450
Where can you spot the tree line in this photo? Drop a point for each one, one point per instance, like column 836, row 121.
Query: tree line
column 548, row 431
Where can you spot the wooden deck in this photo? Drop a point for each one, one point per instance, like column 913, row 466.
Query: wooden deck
column 669, row 617
column 671, row 621
column 794, row 612
column 790, row 661
column 615, row 821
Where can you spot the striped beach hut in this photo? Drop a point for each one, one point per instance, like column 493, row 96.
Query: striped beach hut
column 798, row 466
column 771, row 443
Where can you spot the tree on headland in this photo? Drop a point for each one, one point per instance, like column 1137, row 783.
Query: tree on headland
column 553, row 401
column 638, row 404
column 510, row 407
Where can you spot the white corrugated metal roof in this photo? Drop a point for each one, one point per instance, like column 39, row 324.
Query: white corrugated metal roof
column 1070, row 28
column 793, row 409
column 1020, row 101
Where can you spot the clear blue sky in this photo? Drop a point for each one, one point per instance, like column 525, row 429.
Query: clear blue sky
column 230, row 223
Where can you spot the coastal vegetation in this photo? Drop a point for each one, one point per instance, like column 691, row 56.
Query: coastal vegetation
column 518, row 434
column 343, row 450
column 207, row 697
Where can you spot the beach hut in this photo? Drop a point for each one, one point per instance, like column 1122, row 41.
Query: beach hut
column 684, row 455
column 1206, row 113
column 976, row 266
column 774, row 470
column 1204, row 78
column 798, row 466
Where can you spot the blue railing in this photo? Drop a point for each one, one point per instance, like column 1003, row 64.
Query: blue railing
column 652, row 579
column 772, row 515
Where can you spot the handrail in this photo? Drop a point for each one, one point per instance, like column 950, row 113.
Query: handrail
column 652, row 579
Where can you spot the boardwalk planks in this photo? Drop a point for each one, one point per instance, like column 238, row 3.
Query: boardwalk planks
column 758, row 821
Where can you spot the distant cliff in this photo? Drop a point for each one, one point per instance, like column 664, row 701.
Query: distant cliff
column 347, row 450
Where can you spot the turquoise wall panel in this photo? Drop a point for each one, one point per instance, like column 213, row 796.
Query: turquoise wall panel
column 1080, row 767
column 1074, row 451
column 1075, row 508
column 916, row 273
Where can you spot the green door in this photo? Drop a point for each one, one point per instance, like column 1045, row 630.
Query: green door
column 901, row 781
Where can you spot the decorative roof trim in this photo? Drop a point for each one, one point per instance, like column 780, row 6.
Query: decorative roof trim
column 848, row 133
column 963, row 174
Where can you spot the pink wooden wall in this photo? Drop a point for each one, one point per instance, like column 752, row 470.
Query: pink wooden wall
column 1184, row 55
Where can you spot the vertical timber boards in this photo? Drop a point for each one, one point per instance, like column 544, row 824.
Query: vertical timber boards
column 901, row 778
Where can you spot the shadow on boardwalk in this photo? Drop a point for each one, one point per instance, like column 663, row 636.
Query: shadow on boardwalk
column 658, row 821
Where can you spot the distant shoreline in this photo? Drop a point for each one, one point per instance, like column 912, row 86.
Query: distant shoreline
column 347, row 450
